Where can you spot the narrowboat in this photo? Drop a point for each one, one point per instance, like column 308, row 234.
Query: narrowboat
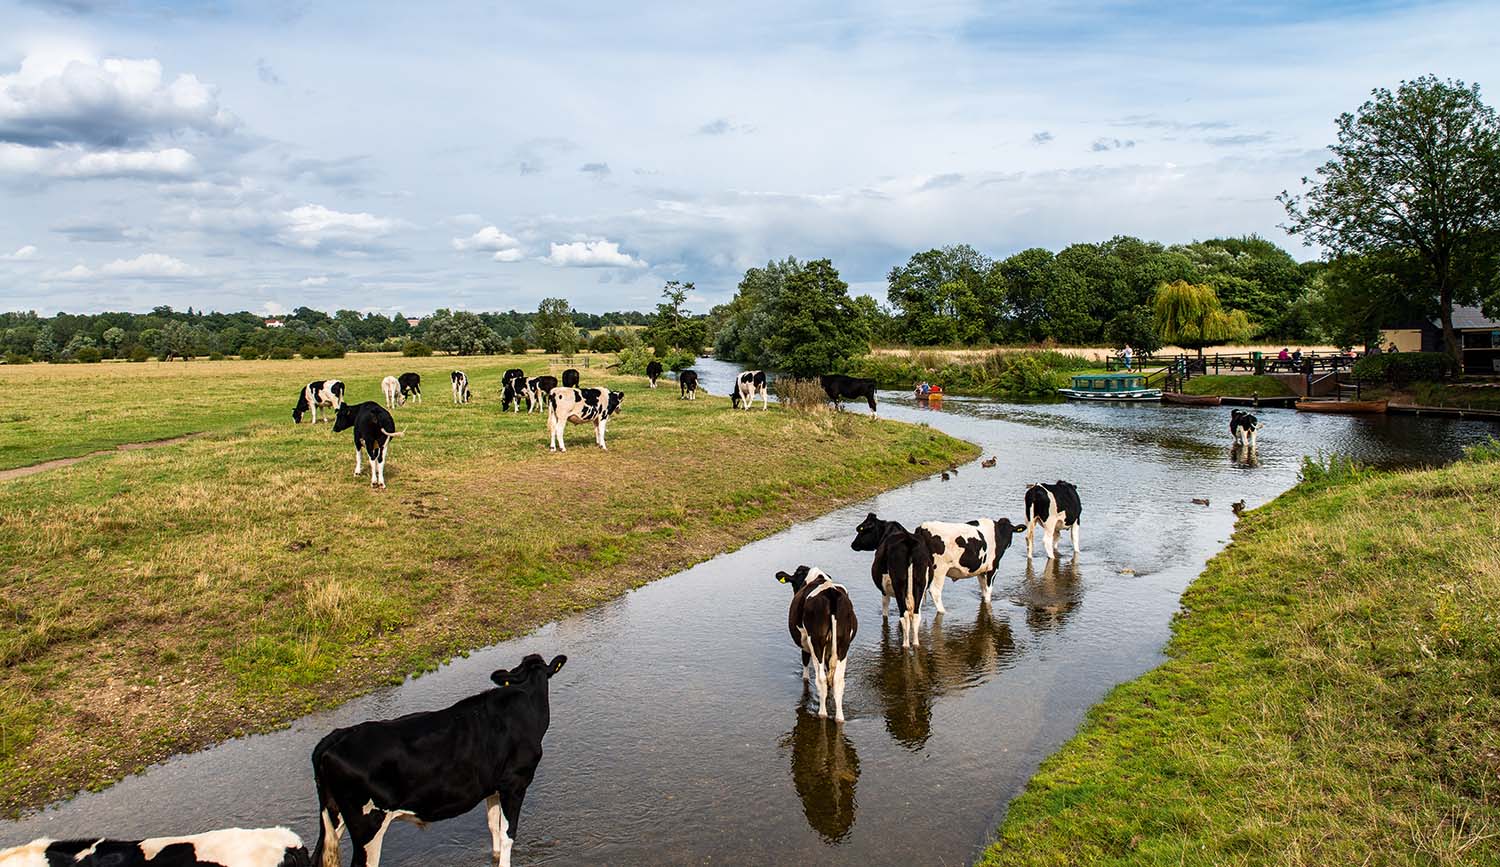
column 1110, row 386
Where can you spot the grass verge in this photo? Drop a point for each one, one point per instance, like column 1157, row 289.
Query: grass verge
column 1003, row 373
column 1238, row 386
column 158, row 601
column 1332, row 695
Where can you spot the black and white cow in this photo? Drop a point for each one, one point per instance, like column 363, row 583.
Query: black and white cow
column 570, row 378
column 231, row 847
column 746, row 386
column 513, row 388
column 822, row 624
column 840, row 388
column 411, row 386
column 902, row 569
column 373, row 430
column 319, row 392
column 426, row 767
column 653, row 371
column 1242, row 426
column 460, row 381
column 537, row 389
column 687, row 382
column 391, row 388
column 1055, row 507
column 967, row 550
column 579, row 405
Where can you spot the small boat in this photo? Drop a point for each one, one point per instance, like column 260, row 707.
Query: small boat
column 1350, row 406
column 935, row 393
column 1191, row 399
column 1110, row 386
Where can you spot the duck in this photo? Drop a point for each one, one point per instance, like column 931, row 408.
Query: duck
column 1200, row 501
column 945, row 476
column 1239, row 507
column 987, row 463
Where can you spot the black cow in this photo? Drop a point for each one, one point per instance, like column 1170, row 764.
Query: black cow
column 411, row 386
column 319, row 392
column 426, row 767
column 687, row 382
column 822, row 624
column 1242, row 426
column 746, row 386
column 902, row 569
column 653, row 371
column 570, row 378
column 513, row 389
column 578, row 405
column 840, row 388
column 231, row 847
column 373, row 430
column 1055, row 507
column 537, row 389
column 967, row 550
column 460, row 382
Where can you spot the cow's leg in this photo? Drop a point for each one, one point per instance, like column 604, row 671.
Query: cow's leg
column 330, row 830
column 1049, row 535
column 599, row 432
column 371, row 850
column 512, row 794
column 838, row 687
column 885, row 605
column 806, row 659
column 936, row 589
column 357, row 457
column 820, row 681
column 985, row 578
column 379, row 469
column 1073, row 534
column 765, row 399
column 499, row 843
column 1030, row 532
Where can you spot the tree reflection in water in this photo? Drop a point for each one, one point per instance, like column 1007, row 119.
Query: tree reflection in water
column 825, row 770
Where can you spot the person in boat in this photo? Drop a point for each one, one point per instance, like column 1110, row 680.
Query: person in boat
column 924, row 389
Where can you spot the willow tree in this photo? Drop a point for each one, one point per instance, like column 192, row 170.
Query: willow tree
column 1190, row 315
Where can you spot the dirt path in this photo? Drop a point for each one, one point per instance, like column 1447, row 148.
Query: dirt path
column 56, row 463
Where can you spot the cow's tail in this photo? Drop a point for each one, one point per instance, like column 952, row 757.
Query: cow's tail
column 833, row 644
column 330, row 823
column 393, row 433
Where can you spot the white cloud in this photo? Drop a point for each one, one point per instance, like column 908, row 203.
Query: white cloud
column 491, row 240
column 313, row 227
column 310, row 282
column 591, row 254
column 73, row 162
column 21, row 255
column 152, row 266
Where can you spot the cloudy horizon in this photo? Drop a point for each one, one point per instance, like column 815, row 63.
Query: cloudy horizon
column 386, row 158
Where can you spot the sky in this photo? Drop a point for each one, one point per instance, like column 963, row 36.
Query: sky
column 405, row 157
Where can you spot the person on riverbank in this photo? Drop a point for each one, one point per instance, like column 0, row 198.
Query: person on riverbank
column 1125, row 355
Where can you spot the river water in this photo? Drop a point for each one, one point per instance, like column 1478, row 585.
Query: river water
column 680, row 732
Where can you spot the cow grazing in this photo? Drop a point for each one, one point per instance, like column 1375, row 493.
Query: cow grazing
column 537, row 389
column 966, row 551
column 902, row 569
column 822, row 624
column 373, row 430
column 513, row 388
column 460, row 382
column 579, row 405
column 653, row 371
column 1242, row 426
column 687, row 382
column 840, row 388
column 319, row 392
column 570, row 378
column 426, row 767
column 411, row 386
column 231, row 847
column 1055, row 507
column 746, row 386
column 391, row 388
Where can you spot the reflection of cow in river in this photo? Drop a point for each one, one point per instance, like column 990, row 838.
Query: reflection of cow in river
column 1050, row 594
column 825, row 770
column 956, row 656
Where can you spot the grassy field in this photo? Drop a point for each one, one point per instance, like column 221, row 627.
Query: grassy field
column 160, row 600
column 1238, row 386
column 1332, row 696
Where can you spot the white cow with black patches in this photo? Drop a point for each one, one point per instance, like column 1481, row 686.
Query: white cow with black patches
column 231, row 847
column 966, row 551
column 577, row 406
column 1055, row 507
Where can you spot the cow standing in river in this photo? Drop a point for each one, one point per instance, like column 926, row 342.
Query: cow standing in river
column 1242, row 426
column 966, row 551
column 822, row 622
column 231, row 847
column 1054, row 508
column 902, row 569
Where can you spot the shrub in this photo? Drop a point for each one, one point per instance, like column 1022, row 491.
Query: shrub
column 416, row 349
column 1485, row 452
column 633, row 359
column 88, row 355
column 607, row 341
column 249, row 353
column 17, row 358
column 518, row 345
column 802, row 395
column 139, row 353
column 280, row 353
column 1404, row 368
column 216, row 356
column 1334, row 469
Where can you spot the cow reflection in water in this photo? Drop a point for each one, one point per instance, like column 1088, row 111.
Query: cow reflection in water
column 1244, row 455
column 825, row 770
column 955, row 656
column 1050, row 593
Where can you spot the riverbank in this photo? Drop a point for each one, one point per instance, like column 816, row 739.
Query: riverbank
column 1014, row 374
column 1330, row 692
column 158, row 601
column 1247, row 385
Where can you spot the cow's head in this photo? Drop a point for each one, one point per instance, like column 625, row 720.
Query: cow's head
column 344, row 418
column 868, row 534
column 797, row 579
column 615, row 399
column 1004, row 532
column 531, row 668
column 301, row 407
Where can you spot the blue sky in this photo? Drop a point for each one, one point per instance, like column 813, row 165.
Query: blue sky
column 412, row 156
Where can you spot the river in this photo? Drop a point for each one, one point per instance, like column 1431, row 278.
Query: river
column 680, row 732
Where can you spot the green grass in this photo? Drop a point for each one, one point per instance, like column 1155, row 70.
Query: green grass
column 1238, row 386
column 161, row 600
column 1332, row 695
column 1012, row 374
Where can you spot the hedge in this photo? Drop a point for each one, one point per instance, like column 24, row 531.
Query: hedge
column 1404, row 368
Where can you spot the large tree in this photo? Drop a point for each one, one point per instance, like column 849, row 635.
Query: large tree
column 673, row 327
column 947, row 295
column 1191, row 316
column 817, row 325
column 553, row 326
column 1417, row 169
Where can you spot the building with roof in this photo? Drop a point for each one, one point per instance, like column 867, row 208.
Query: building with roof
column 1478, row 339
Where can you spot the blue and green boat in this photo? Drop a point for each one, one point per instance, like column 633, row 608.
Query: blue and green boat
column 1110, row 386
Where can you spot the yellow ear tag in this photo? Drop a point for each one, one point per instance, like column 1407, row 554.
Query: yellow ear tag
column 505, row 683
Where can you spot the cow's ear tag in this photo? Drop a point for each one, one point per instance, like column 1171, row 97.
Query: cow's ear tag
column 505, row 683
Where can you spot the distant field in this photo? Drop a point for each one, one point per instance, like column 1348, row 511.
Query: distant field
column 1092, row 353
column 160, row 600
